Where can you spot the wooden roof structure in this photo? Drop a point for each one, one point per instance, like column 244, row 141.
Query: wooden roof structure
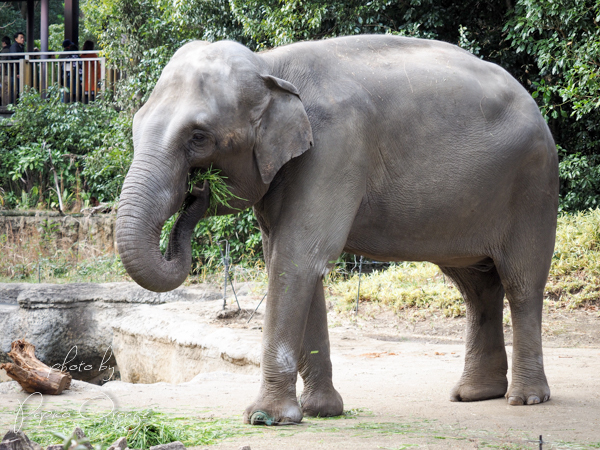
column 71, row 22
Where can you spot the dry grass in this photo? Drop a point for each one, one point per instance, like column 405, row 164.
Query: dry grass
column 402, row 286
column 574, row 279
column 49, row 253
column 575, row 274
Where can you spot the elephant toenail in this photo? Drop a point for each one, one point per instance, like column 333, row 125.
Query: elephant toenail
column 533, row 399
column 515, row 401
column 260, row 418
column 546, row 398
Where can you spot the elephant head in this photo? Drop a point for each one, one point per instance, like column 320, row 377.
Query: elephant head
column 215, row 105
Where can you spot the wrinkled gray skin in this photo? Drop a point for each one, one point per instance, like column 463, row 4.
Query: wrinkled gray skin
column 394, row 148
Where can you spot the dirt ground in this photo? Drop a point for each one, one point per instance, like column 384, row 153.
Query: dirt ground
column 395, row 374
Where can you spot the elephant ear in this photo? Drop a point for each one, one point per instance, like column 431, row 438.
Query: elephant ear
column 284, row 131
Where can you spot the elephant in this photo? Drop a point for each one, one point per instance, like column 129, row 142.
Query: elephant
column 389, row 147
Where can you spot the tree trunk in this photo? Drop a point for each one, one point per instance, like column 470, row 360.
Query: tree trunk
column 32, row 374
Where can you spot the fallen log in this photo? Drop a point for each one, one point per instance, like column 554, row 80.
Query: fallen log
column 32, row 374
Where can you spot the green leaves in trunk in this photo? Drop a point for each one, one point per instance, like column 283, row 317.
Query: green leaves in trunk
column 219, row 191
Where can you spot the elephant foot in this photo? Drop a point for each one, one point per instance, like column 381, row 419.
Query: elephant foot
column 262, row 412
column 528, row 394
column 321, row 402
column 484, row 389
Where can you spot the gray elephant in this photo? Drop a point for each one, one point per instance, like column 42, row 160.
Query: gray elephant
column 394, row 148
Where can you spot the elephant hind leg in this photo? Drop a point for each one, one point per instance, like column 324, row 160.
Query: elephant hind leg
column 484, row 374
column 524, row 276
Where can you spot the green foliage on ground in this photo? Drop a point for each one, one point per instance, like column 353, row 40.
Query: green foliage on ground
column 62, row 267
column 142, row 428
column 402, row 286
column 575, row 273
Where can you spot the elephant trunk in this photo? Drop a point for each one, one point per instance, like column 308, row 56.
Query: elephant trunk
column 150, row 196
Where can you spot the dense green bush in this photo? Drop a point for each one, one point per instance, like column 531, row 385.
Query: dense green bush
column 241, row 230
column 89, row 147
column 560, row 38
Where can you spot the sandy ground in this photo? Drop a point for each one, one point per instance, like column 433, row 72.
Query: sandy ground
column 395, row 375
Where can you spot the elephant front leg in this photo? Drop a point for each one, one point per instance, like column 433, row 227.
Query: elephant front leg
column 319, row 397
column 288, row 304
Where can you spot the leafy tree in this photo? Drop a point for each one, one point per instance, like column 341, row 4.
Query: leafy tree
column 141, row 36
column 562, row 39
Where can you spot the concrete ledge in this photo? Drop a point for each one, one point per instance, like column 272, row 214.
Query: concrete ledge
column 174, row 343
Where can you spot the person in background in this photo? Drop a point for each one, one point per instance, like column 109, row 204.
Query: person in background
column 19, row 45
column 4, row 80
column 5, row 47
column 72, row 72
column 91, row 72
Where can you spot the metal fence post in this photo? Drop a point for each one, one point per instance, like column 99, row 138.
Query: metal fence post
column 226, row 261
column 359, row 276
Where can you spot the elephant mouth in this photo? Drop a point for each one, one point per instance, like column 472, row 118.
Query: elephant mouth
column 197, row 180
column 221, row 196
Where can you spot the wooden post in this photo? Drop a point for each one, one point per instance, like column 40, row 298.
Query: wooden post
column 72, row 20
column 27, row 75
column 30, row 24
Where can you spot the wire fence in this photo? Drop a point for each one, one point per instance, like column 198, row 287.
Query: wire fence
column 344, row 267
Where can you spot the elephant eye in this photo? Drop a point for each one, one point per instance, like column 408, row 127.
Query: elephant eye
column 201, row 143
column 199, row 138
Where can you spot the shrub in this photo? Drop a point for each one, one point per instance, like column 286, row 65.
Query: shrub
column 241, row 230
column 47, row 136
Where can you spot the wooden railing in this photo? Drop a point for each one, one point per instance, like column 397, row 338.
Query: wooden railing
column 83, row 74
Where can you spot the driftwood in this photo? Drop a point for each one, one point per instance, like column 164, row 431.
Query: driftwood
column 32, row 374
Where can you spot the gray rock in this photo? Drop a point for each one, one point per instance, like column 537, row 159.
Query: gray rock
column 245, row 447
column 119, row 444
column 9, row 292
column 75, row 320
column 10, row 387
column 171, row 446
column 18, row 441
column 81, row 436
column 55, row 447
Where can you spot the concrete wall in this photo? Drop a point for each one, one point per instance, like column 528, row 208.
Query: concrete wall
column 88, row 234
